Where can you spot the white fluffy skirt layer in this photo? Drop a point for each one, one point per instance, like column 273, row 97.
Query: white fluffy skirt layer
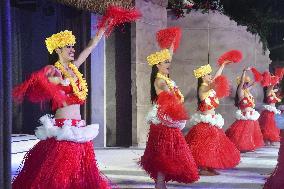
column 249, row 115
column 80, row 133
column 214, row 120
column 152, row 118
column 271, row 109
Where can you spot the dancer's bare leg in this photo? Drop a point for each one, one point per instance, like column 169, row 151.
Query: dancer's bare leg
column 267, row 143
column 208, row 172
column 160, row 183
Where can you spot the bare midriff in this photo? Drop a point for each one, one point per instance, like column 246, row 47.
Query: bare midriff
column 69, row 112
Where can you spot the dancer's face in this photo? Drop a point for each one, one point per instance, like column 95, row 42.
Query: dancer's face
column 207, row 78
column 246, row 85
column 66, row 53
column 164, row 67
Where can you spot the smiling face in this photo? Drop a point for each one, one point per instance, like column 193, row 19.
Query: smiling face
column 66, row 53
column 164, row 67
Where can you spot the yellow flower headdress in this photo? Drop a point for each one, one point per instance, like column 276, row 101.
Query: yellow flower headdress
column 247, row 79
column 202, row 71
column 60, row 40
column 159, row 57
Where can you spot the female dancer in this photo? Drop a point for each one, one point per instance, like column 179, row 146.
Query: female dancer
column 267, row 123
column 64, row 158
column 167, row 156
column 209, row 145
column 276, row 179
column 245, row 132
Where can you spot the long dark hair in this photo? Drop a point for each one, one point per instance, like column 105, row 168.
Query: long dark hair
column 199, row 82
column 264, row 94
column 237, row 98
column 153, row 93
column 52, row 58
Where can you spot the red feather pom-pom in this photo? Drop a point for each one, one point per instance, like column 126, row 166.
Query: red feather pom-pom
column 170, row 106
column 266, row 79
column 279, row 72
column 274, row 80
column 38, row 89
column 115, row 16
column 221, row 86
column 234, row 56
column 169, row 36
column 256, row 74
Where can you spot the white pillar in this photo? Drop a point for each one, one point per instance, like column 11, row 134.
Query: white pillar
column 97, row 86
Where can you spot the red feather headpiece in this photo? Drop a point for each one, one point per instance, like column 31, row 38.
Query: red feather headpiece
column 167, row 37
column 115, row 16
column 274, row 80
column 234, row 56
column 279, row 72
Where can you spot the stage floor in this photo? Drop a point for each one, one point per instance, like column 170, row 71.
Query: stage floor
column 120, row 166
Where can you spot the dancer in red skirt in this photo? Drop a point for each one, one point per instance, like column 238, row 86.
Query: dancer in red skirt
column 209, row 145
column 276, row 180
column 167, row 156
column 267, row 122
column 245, row 132
column 64, row 158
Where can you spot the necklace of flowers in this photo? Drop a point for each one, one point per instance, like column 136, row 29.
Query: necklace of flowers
column 81, row 94
column 171, row 85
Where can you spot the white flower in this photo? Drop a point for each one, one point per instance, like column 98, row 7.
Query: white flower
column 245, row 101
column 67, row 122
column 65, row 82
column 212, row 93
column 188, row 3
column 207, row 101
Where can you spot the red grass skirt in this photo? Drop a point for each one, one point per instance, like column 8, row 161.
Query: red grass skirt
column 268, row 126
column 168, row 153
column 53, row 164
column 276, row 180
column 246, row 135
column 211, row 148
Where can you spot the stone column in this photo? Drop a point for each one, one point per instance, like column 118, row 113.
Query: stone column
column 97, row 87
column 143, row 43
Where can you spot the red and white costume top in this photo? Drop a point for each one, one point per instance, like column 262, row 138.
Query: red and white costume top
column 246, row 109
column 208, row 103
column 69, row 97
column 271, row 100
column 247, row 101
column 168, row 110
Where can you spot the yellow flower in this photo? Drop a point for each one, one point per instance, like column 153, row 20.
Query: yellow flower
column 171, row 85
column 81, row 94
column 202, row 71
column 159, row 57
column 60, row 40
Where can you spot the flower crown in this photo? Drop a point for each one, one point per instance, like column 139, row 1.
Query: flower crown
column 247, row 79
column 159, row 57
column 202, row 71
column 60, row 40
